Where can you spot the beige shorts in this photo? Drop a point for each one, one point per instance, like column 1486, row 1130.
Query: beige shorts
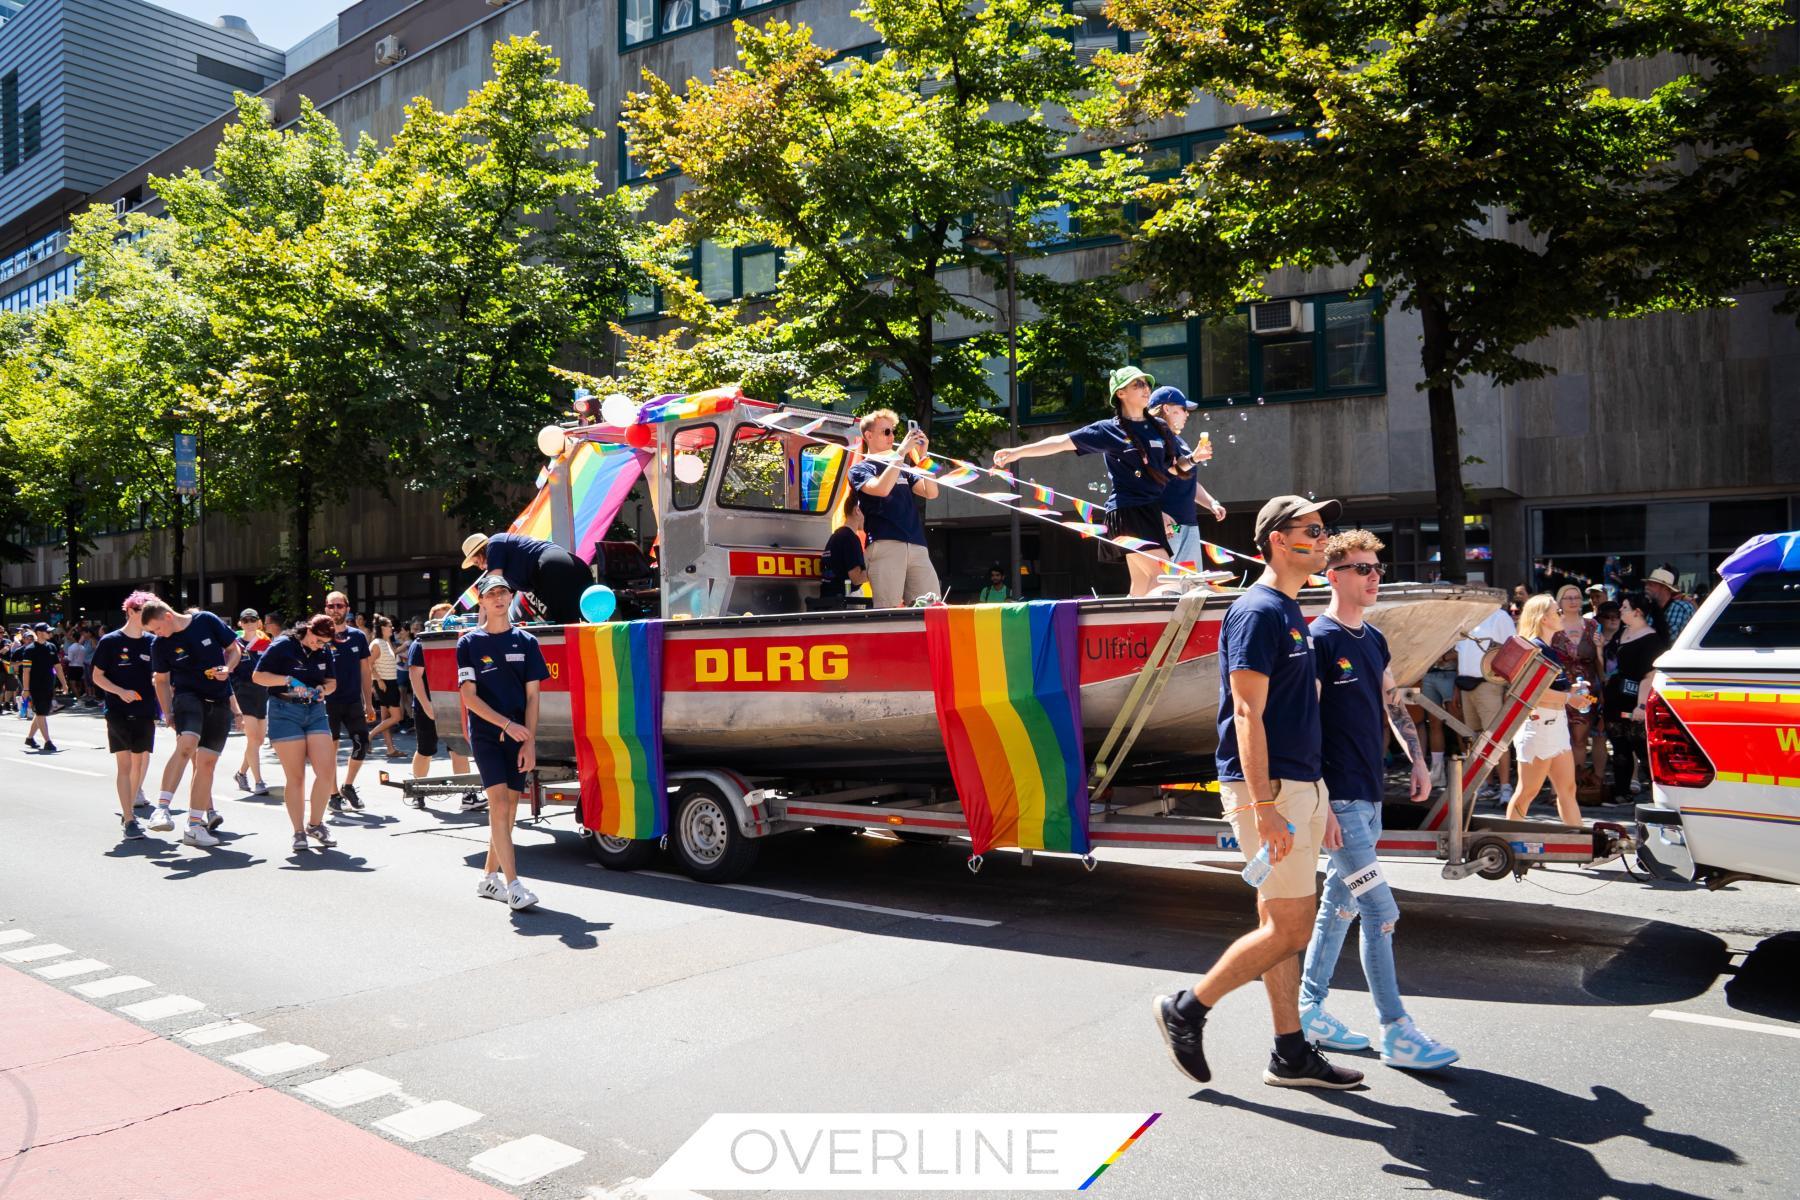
column 1482, row 706
column 1303, row 806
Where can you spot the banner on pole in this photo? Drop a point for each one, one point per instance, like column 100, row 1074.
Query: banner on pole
column 187, row 468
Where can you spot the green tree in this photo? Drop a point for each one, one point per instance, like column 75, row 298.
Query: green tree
column 886, row 183
column 1473, row 160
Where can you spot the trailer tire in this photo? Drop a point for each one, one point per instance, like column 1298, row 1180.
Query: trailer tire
column 1496, row 859
column 620, row 854
column 704, row 834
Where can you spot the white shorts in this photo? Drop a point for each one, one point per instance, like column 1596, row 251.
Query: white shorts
column 1545, row 734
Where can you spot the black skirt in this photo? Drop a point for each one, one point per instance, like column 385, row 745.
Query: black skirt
column 1139, row 521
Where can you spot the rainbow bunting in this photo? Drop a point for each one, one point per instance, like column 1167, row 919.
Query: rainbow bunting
column 1087, row 511
column 1040, row 512
column 615, row 694
column 1003, row 473
column 1040, row 493
column 1218, row 556
column 1085, row 528
column 1317, row 581
column 960, row 477
column 1007, row 682
column 1132, row 543
column 999, row 497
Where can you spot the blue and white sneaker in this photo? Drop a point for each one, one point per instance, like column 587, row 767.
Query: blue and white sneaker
column 1405, row 1045
column 1322, row 1029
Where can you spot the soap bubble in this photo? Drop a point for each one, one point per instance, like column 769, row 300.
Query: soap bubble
column 1232, row 438
column 1260, row 400
column 1243, row 416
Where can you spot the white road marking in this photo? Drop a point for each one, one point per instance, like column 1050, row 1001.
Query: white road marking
column 51, row 767
column 219, row 1031
column 345, row 1088
column 519, row 1162
column 9, row 936
column 633, row 1188
column 27, row 954
column 75, row 966
column 161, row 1008
column 427, row 1121
column 1669, row 1014
column 100, row 988
column 777, row 893
column 278, row 1059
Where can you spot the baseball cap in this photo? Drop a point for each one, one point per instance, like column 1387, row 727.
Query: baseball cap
column 1282, row 509
column 1124, row 375
column 471, row 544
column 249, row 614
column 41, row 627
column 489, row 582
column 1174, row 397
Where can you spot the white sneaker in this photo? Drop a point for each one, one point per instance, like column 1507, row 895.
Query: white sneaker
column 492, row 887
column 474, row 800
column 518, row 896
column 197, row 834
column 261, row 789
column 160, row 820
column 242, row 780
column 1410, row 1048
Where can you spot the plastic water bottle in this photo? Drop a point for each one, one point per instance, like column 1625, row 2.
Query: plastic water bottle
column 1258, row 868
column 1581, row 691
column 24, row 708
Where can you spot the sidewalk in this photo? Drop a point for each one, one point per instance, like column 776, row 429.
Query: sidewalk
column 95, row 1107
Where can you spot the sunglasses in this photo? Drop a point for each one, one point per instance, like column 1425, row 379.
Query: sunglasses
column 1311, row 531
column 332, row 606
column 888, row 432
column 1363, row 569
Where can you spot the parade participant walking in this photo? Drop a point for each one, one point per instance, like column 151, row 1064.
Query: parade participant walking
column 75, row 664
column 122, row 671
column 900, row 569
column 1542, row 743
column 1269, row 781
column 193, row 656
column 352, row 705
column 252, row 701
column 1358, row 703
column 40, row 672
column 296, row 671
column 1638, row 647
column 425, row 731
column 1142, row 455
column 843, row 563
column 546, row 570
column 498, row 669
column 1183, row 497
column 384, row 666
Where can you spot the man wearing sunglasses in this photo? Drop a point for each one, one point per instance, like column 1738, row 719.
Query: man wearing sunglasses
column 351, row 707
column 899, row 565
column 1269, row 783
column 1358, row 703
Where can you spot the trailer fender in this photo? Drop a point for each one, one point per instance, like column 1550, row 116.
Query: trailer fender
column 745, row 801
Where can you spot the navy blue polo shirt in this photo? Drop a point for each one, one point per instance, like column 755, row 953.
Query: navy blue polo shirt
column 1264, row 631
column 187, row 654
column 893, row 517
column 843, row 554
column 126, row 661
column 516, row 557
column 1132, row 484
column 289, row 657
column 349, row 647
column 1352, row 711
column 1179, row 494
column 499, row 665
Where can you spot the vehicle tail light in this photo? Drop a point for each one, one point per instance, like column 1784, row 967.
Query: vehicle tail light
column 1676, row 759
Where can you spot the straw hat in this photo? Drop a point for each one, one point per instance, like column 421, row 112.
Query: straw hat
column 472, row 545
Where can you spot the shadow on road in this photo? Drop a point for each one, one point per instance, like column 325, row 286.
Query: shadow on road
column 1507, row 1137
column 328, row 858
column 1764, row 983
column 203, row 862
column 575, row 932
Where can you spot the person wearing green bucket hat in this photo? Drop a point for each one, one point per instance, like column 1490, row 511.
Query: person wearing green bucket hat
column 1142, row 454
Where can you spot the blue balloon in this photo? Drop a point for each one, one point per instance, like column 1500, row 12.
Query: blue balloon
column 598, row 603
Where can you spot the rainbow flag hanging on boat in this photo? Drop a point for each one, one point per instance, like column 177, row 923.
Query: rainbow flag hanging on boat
column 1007, row 682
column 615, row 693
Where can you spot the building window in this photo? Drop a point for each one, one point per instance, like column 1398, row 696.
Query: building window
column 9, row 122
column 1287, row 363
column 1351, row 348
column 639, row 18
column 1163, row 351
column 712, row 269
column 677, row 15
column 32, row 129
column 641, row 304
column 758, row 271
column 642, row 21
column 1225, row 355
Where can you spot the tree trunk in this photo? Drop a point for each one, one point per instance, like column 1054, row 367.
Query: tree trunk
column 300, row 560
column 1446, row 440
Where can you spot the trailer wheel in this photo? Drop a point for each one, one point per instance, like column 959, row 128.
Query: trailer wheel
column 1496, row 859
column 705, row 836
column 620, row 854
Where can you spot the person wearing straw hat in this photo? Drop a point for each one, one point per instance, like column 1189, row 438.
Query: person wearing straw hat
column 1142, row 455
column 546, row 570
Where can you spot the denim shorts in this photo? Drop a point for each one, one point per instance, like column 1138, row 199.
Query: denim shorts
column 290, row 721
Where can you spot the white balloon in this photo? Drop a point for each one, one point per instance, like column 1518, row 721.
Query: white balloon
column 618, row 409
column 689, row 468
column 552, row 440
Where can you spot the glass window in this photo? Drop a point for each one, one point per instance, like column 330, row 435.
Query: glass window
column 743, row 4
column 1225, row 355
column 691, row 442
column 1731, row 523
column 1287, row 364
column 757, row 270
column 994, row 371
column 1168, row 371
column 715, row 270
column 1350, row 344
column 1054, row 225
column 640, row 21
column 1051, row 390
column 1764, row 613
column 1164, row 333
column 33, row 129
column 640, row 304
column 677, row 15
column 779, row 472
column 712, row 10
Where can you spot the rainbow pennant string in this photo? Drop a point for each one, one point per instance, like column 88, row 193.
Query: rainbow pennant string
column 1007, row 682
column 615, row 692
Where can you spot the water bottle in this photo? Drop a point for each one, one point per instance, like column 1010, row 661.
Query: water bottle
column 1580, row 692
column 1259, row 867
column 25, row 708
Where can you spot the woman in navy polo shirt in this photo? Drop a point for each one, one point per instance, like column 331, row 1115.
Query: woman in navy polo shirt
column 1141, row 457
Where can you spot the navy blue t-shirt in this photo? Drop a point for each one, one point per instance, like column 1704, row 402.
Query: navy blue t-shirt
column 499, row 665
column 350, row 646
column 843, row 554
column 1264, row 631
column 1352, row 711
column 252, row 648
column 187, row 654
column 126, row 661
column 1179, row 494
column 415, row 657
column 516, row 557
column 893, row 517
column 289, row 657
column 1132, row 483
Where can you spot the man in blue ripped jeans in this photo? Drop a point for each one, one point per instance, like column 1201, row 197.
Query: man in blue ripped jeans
column 1355, row 685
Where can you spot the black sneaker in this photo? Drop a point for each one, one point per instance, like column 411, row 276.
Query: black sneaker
column 132, row 830
column 1313, row 1070
column 1183, row 1038
column 31, row 743
column 49, row 746
column 336, row 803
column 354, row 799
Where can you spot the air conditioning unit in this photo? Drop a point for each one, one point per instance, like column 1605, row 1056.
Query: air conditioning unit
column 1279, row 316
column 389, row 51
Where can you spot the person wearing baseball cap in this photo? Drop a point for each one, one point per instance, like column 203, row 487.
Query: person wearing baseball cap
column 1270, row 768
column 41, row 667
column 1183, row 498
column 1665, row 592
column 546, row 570
column 1142, row 455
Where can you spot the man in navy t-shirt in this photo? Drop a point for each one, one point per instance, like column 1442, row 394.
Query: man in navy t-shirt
column 1358, row 703
column 193, row 657
column 546, row 570
column 1269, row 769
column 122, row 672
column 900, row 569
column 352, row 703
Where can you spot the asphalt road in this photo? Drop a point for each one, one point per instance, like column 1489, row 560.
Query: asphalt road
column 628, row 1008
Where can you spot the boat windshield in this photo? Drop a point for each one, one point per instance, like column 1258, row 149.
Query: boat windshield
column 780, row 472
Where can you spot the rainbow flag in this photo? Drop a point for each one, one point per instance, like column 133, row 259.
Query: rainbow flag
column 959, row 477
column 1218, row 556
column 615, row 694
column 1040, row 493
column 1007, row 682
column 1091, row 513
